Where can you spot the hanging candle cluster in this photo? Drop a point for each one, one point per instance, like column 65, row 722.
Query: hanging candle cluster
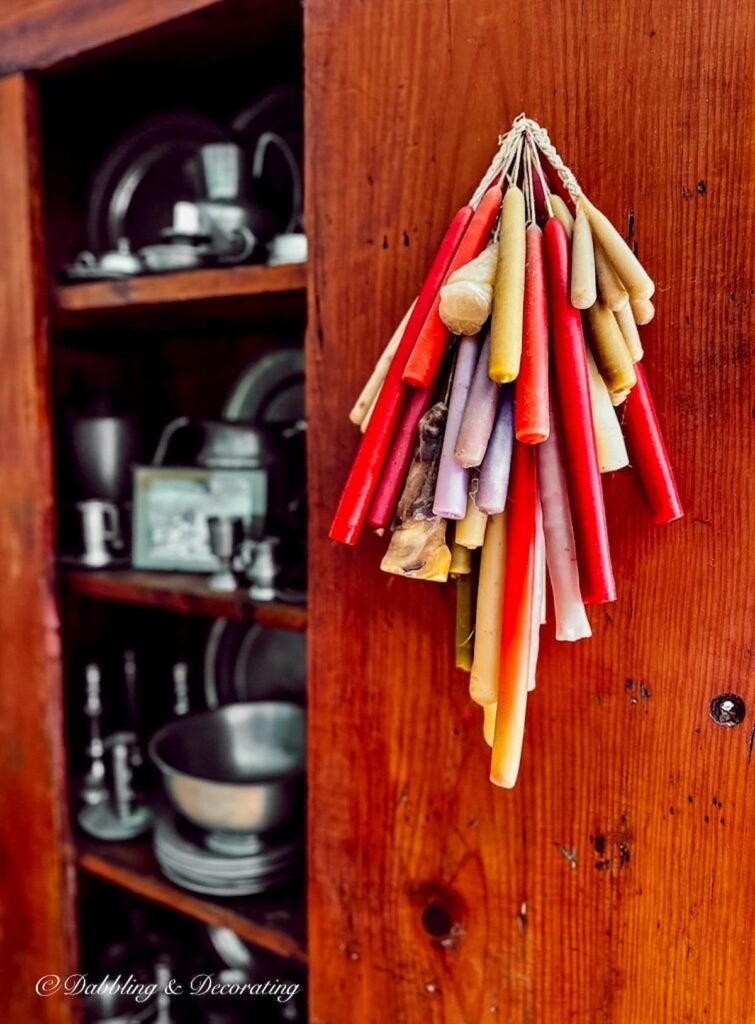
column 492, row 413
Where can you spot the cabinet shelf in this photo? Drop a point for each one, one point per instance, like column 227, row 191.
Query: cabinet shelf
column 182, row 593
column 221, row 293
column 274, row 921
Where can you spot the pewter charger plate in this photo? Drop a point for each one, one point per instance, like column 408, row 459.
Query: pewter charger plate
column 247, row 663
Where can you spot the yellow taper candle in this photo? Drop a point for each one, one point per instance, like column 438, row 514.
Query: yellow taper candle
column 628, row 327
column 483, row 681
column 488, row 723
column 508, row 296
column 643, row 310
column 463, row 631
column 610, row 349
column 609, row 440
column 638, row 282
column 562, row 212
column 583, row 289
column 470, row 531
column 461, row 560
column 368, row 396
column 610, row 286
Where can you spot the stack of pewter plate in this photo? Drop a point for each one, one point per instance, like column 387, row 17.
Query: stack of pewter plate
column 235, row 777
column 216, row 865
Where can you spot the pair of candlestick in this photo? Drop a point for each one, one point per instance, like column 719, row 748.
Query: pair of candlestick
column 489, row 409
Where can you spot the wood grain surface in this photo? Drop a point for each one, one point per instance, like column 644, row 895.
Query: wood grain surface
column 614, row 885
column 37, row 934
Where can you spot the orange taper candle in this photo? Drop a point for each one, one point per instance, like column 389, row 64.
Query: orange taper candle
column 430, row 348
column 531, row 401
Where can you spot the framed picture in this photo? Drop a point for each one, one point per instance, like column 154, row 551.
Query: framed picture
column 172, row 506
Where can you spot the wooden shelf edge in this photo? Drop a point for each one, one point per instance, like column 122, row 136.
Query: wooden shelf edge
column 162, row 891
column 181, row 287
column 181, row 593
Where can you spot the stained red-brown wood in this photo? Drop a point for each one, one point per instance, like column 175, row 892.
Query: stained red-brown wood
column 613, row 885
column 36, row 904
column 182, row 593
column 273, row 921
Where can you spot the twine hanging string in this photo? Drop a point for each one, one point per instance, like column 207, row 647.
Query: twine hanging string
column 543, row 142
column 514, row 179
column 520, row 148
column 510, row 168
column 505, row 164
column 498, row 165
column 529, row 191
column 534, row 153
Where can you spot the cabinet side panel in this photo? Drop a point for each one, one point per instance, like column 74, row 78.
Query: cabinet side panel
column 36, row 898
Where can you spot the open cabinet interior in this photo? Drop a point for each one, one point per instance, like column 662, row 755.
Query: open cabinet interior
column 120, row 130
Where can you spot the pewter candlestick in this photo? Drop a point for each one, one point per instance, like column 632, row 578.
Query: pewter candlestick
column 263, row 570
column 130, row 678
column 93, row 790
column 181, row 704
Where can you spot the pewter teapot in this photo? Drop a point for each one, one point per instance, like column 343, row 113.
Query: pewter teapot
column 227, row 215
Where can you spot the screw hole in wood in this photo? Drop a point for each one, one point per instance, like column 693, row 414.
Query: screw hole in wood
column 727, row 709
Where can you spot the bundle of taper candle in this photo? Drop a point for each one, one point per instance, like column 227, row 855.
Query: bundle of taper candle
column 492, row 413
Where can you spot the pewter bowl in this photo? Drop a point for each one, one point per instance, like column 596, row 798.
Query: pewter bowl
column 239, row 768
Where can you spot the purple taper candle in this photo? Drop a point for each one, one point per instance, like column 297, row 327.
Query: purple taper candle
column 452, row 485
column 494, row 472
column 479, row 413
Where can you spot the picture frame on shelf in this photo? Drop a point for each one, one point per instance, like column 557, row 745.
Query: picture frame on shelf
column 173, row 503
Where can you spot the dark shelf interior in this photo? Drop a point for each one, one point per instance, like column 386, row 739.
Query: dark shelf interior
column 274, row 921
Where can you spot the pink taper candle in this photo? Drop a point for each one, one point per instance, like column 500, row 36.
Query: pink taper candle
column 479, row 413
column 452, row 487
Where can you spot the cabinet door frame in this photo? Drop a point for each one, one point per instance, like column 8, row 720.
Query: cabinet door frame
column 38, row 935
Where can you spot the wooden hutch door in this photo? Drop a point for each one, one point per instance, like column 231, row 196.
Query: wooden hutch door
column 614, row 884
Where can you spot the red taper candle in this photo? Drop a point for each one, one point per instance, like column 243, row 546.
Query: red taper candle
column 431, row 345
column 516, row 624
column 394, row 473
column 521, row 507
column 648, row 452
column 531, row 402
column 371, row 455
column 572, row 388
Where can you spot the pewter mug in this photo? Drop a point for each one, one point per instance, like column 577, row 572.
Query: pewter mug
column 101, row 531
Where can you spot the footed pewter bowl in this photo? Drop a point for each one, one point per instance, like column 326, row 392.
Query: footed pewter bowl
column 239, row 768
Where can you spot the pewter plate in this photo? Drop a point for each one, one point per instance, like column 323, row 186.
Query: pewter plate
column 248, row 663
column 270, row 390
column 143, row 175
